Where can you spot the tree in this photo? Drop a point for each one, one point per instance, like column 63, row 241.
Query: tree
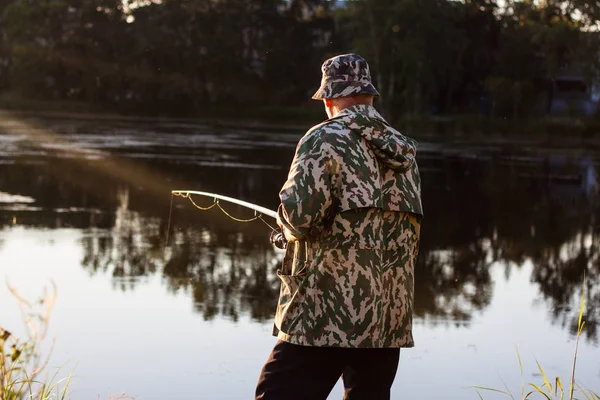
column 427, row 55
column 538, row 43
column 60, row 48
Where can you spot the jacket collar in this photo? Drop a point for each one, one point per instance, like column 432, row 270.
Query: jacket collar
column 362, row 109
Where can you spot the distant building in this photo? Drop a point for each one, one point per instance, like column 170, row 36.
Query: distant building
column 572, row 95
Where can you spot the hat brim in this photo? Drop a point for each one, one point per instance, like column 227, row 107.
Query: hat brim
column 334, row 90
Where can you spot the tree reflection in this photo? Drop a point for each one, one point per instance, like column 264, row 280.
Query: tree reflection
column 128, row 250
column 561, row 267
column 492, row 212
column 226, row 272
column 451, row 285
column 478, row 213
column 226, row 269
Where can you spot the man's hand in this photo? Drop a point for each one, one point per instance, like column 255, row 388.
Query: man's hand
column 287, row 234
column 278, row 239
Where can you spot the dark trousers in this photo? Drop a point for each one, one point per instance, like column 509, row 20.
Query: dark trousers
column 295, row 372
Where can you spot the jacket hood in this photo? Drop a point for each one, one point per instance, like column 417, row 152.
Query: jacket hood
column 391, row 148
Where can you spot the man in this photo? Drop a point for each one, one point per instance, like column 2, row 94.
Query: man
column 350, row 211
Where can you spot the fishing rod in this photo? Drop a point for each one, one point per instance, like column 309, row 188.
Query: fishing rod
column 276, row 238
column 216, row 197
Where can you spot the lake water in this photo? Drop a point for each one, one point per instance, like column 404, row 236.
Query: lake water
column 509, row 232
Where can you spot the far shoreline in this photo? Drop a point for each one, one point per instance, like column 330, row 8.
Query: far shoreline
column 550, row 131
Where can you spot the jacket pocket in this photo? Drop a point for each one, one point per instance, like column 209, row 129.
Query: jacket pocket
column 290, row 306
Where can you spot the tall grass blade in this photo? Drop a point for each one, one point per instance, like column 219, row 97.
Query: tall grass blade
column 581, row 306
column 588, row 393
column 64, row 395
column 558, row 385
column 546, row 383
column 580, row 324
column 529, row 394
column 506, row 387
column 539, row 390
column 522, row 376
column 491, row 390
column 584, row 392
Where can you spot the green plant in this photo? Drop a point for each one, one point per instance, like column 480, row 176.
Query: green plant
column 546, row 389
column 21, row 363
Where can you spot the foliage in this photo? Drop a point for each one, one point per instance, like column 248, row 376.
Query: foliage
column 171, row 57
column 470, row 56
column 180, row 57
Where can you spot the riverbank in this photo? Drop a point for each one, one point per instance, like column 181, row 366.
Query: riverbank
column 266, row 118
column 546, row 131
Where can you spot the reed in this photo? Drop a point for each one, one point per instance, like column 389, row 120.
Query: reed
column 22, row 363
column 551, row 389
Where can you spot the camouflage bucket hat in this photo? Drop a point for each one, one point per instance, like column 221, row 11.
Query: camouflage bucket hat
column 345, row 75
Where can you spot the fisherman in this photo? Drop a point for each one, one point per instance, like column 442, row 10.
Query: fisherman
column 351, row 212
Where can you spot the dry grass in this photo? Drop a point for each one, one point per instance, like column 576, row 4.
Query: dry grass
column 22, row 364
column 551, row 389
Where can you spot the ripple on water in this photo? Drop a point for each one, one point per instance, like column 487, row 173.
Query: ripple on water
column 15, row 198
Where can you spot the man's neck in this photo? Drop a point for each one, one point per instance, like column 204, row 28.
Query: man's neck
column 338, row 109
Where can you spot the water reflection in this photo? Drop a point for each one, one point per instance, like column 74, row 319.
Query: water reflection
column 478, row 212
column 128, row 250
column 227, row 272
column 228, row 268
column 510, row 214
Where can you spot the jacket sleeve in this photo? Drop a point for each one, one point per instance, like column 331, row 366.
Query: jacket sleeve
column 309, row 192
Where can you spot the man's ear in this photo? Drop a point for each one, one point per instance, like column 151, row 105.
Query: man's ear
column 328, row 103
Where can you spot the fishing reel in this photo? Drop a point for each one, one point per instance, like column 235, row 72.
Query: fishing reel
column 278, row 239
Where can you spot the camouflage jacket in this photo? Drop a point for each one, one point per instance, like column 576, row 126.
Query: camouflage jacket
column 352, row 202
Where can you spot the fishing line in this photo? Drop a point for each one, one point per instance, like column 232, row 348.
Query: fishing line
column 235, row 218
column 266, row 223
column 187, row 195
column 169, row 221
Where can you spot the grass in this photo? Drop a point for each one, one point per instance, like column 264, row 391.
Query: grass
column 551, row 389
column 21, row 362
